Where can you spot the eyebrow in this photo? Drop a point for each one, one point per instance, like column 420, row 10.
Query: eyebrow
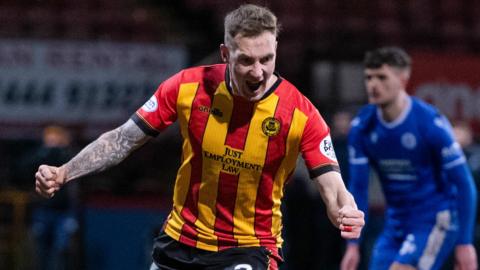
column 261, row 57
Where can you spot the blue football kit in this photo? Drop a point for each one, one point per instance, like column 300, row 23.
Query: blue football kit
column 429, row 191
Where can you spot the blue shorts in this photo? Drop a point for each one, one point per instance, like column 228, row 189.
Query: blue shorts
column 423, row 246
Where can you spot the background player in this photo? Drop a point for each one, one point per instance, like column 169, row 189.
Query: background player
column 243, row 127
column 429, row 191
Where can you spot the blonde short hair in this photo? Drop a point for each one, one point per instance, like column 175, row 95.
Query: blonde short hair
column 249, row 20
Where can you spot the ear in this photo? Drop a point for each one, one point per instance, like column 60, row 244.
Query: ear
column 224, row 53
column 405, row 77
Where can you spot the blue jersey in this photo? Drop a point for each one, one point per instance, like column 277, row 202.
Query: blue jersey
column 420, row 166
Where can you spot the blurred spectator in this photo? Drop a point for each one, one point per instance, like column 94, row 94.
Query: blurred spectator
column 340, row 128
column 54, row 221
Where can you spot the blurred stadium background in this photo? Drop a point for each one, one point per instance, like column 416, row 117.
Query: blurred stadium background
column 87, row 65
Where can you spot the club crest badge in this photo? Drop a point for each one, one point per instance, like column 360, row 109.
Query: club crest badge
column 271, row 126
column 409, row 141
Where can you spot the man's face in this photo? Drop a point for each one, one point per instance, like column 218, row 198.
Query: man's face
column 384, row 84
column 251, row 63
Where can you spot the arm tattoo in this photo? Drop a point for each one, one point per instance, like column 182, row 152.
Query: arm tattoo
column 108, row 150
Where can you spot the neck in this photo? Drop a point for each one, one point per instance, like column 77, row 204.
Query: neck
column 392, row 110
column 270, row 82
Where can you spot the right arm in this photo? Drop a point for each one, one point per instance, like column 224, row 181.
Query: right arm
column 112, row 147
column 108, row 150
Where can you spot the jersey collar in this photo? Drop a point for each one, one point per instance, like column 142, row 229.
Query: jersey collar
column 400, row 119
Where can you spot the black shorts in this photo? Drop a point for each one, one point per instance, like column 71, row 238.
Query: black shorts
column 169, row 254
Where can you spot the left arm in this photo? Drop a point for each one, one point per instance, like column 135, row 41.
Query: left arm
column 454, row 167
column 341, row 207
column 317, row 150
column 461, row 176
column 465, row 254
column 458, row 174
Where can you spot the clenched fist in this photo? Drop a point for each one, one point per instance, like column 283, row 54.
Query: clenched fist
column 351, row 222
column 49, row 179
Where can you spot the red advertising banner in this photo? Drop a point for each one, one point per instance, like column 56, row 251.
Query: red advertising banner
column 449, row 81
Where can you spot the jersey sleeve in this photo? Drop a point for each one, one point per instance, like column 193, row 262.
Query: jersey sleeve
column 317, row 147
column 455, row 168
column 359, row 168
column 160, row 111
column 447, row 151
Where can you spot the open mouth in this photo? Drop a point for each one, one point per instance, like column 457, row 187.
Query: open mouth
column 254, row 86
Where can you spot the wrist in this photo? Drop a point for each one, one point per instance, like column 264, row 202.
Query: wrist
column 352, row 245
column 465, row 242
column 463, row 245
column 62, row 173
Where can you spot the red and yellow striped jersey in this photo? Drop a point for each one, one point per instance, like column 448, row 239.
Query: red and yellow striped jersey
column 237, row 156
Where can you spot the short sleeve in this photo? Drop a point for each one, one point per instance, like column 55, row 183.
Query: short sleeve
column 159, row 111
column 317, row 147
